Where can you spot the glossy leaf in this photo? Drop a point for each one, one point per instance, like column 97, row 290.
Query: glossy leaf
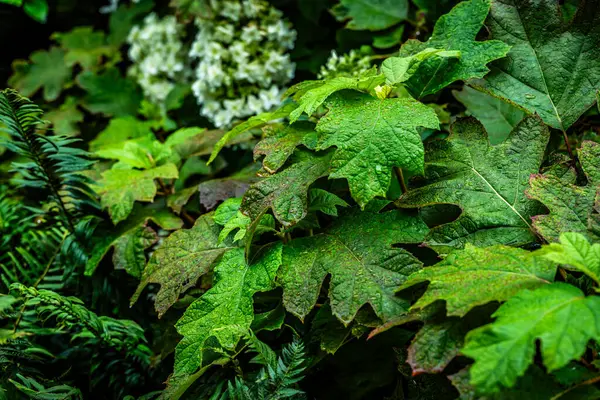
column 372, row 137
column 559, row 315
column 120, row 188
column 373, row 15
column 357, row 252
column 572, row 208
column 181, row 260
column 553, row 67
column 286, row 192
column 487, row 182
column 215, row 315
column 502, row 270
column 498, row 117
column 455, row 31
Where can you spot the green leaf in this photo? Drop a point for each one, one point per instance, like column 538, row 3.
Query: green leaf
column 226, row 311
column 327, row 203
column 455, row 31
column 36, row 9
column 228, row 215
column 143, row 153
column 269, row 321
column 17, row 3
column 435, row 345
column 120, row 188
column 109, row 93
column 498, row 117
column 179, row 199
column 388, row 40
column 138, row 219
column 84, row 46
column 400, row 69
column 181, row 136
column 558, row 315
column 124, row 18
column 253, row 122
column 119, row 130
column 65, row 118
column 373, row 15
column 458, row 280
column 46, row 70
column 278, row 148
column 286, row 192
column 311, row 97
column 575, row 250
column 435, row 8
column 486, row 182
column 553, row 68
column 181, row 260
column 373, row 136
column 572, row 208
column 357, row 252
column 129, row 250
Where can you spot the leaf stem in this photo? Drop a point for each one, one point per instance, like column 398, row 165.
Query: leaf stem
column 569, row 150
column 400, row 177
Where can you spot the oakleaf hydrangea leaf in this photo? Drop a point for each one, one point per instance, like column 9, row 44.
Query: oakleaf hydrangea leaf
column 119, row 130
column 310, row 98
column 129, row 250
column 120, row 188
column 226, row 311
column 286, row 191
column 400, row 69
column 278, row 148
column 109, row 93
column 46, row 69
column 253, row 122
column 373, row 15
column 559, row 315
column 487, row 182
column 455, row 31
column 229, row 216
column 553, row 68
column 181, row 260
column 436, row 344
column 357, row 252
column 373, row 136
column 84, row 46
column 137, row 220
column 324, row 201
column 574, row 250
column 498, row 117
column 458, row 280
column 572, row 208
column 65, row 118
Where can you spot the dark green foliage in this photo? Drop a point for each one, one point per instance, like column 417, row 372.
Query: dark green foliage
column 420, row 220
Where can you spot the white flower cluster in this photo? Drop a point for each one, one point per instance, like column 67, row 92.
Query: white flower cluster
column 243, row 63
column 158, row 56
column 351, row 64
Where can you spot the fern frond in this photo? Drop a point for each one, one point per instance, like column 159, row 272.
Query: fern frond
column 54, row 164
column 35, row 390
column 277, row 380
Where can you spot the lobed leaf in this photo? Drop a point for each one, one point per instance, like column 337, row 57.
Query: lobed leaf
column 487, row 182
